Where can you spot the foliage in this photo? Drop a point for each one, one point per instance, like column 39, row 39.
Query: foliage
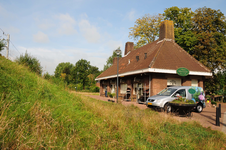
column 182, row 100
column 146, row 29
column 94, row 89
column 81, row 72
column 183, row 25
column 63, row 70
column 210, row 30
column 110, row 60
column 36, row 114
column 2, row 45
column 31, row 62
column 213, row 103
column 47, row 76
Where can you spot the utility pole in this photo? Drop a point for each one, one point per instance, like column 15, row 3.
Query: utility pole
column 7, row 48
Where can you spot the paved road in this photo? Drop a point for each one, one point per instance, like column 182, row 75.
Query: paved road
column 207, row 118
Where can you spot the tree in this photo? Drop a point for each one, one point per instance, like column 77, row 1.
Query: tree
column 63, row 70
column 110, row 60
column 2, row 45
column 210, row 29
column 31, row 62
column 146, row 29
column 81, row 72
column 183, row 25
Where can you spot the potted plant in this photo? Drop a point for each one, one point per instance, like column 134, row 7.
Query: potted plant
column 181, row 105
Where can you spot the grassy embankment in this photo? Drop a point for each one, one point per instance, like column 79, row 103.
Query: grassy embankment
column 37, row 114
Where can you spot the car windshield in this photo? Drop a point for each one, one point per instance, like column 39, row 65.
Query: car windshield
column 167, row 92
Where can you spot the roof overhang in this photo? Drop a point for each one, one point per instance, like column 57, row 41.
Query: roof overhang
column 154, row 70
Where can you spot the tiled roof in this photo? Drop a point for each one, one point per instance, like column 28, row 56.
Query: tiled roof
column 164, row 54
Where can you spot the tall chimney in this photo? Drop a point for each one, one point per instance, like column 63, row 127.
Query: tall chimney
column 129, row 47
column 114, row 60
column 166, row 30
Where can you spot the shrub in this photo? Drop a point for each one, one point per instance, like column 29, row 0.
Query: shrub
column 31, row 62
column 213, row 103
column 94, row 89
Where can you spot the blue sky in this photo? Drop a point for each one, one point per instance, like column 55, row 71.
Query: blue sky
column 56, row 31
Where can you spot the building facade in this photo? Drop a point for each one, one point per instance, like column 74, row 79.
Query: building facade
column 149, row 69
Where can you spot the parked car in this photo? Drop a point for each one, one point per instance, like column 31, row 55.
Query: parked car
column 162, row 99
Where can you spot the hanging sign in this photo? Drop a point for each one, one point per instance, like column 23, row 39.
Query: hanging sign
column 182, row 71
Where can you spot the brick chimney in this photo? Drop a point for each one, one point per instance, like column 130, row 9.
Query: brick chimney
column 166, row 30
column 114, row 60
column 129, row 47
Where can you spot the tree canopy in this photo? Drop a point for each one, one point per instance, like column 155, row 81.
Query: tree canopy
column 210, row 28
column 63, row 70
column 183, row 25
column 146, row 29
column 110, row 60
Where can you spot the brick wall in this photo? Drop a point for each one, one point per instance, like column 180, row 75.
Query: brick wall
column 200, row 83
column 158, row 83
column 186, row 81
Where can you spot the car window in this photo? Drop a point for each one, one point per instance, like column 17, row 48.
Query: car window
column 181, row 92
column 167, row 92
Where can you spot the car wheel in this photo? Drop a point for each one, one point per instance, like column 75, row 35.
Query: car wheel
column 199, row 108
column 167, row 108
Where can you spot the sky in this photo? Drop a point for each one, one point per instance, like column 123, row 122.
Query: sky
column 56, row 31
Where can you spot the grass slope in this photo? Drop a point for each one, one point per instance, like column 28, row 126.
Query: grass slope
column 37, row 114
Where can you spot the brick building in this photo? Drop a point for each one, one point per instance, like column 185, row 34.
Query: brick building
column 151, row 68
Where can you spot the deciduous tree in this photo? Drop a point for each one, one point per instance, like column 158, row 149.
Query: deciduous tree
column 182, row 18
column 210, row 29
column 81, row 72
column 63, row 70
column 146, row 29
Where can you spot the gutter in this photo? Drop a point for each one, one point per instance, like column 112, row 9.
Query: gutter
column 155, row 70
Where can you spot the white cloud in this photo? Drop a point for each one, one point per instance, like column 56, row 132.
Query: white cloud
column 40, row 37
column 66, row 18
column 11, row 30
column 50, row 58
column 131, row 15
column 45, row 25
column 66, row 29
column 67, row 24
column 89, row 31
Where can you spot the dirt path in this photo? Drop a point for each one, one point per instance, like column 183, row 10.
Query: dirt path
column 207, row 118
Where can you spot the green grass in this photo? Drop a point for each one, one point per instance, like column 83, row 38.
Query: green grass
column 36, row 114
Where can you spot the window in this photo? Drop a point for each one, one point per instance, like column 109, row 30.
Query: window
column 194, row 82
column 137, row 88
column 173, row 82
column 123, row 88
column 181, row 92
column 113, row 88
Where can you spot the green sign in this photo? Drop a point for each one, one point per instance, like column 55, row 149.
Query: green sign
column 191, row 91
column 182, row 71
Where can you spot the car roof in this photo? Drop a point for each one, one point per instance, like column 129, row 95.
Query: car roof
column 181, row 87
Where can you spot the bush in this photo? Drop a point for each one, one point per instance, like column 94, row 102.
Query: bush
column 213, row 103
column 72, row 86
column 31, row 62
column 94, row 89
